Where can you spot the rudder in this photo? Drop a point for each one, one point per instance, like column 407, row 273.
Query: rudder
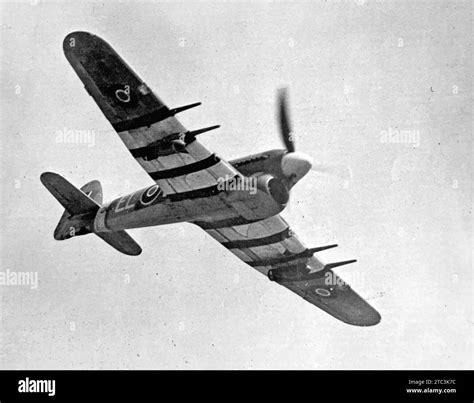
column 93, row 189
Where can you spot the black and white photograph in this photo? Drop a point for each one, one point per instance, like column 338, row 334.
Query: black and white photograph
column 236, row 185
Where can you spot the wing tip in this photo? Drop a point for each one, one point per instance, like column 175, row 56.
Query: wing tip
column 69, row 39
column 360, row 313
column 134, row 252
column 72, row 39
column 346, row 306
column 46, row 176
column 367, row 320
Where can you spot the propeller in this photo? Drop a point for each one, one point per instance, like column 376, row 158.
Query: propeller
column 296, row 164
column 284, row 120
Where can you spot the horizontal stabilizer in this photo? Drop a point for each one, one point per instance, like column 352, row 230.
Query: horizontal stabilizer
column 121, row 241
column 71, row 198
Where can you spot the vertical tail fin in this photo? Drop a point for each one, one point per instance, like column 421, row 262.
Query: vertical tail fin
column 93, row 189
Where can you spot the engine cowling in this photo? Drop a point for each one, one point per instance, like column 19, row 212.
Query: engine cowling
column 263, row 195
column 273, row 187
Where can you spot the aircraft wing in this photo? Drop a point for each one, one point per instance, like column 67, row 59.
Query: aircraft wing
column 271, row 247
column 168, row 152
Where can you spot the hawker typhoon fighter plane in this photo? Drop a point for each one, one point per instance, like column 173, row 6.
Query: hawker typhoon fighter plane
column 189, row 187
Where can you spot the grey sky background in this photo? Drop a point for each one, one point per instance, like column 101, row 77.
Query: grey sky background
column 354, row 69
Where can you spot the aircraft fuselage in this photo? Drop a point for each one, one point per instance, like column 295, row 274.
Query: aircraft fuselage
column 150, row 206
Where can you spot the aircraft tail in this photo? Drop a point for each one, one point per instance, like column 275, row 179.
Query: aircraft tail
column 81, row 207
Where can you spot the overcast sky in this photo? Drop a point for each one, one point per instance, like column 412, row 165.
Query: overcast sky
column 357, row 71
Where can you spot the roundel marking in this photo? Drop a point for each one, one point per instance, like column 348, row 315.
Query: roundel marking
column 323, row 292
column 123, row 95
column 149, row 195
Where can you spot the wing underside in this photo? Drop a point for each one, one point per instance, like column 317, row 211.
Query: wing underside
column 168, row 152
column 270, row 245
